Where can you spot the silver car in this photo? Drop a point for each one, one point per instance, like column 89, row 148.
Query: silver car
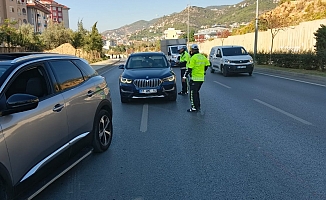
column 54, row 111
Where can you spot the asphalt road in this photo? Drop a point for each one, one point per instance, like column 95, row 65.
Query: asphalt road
column 259, row 137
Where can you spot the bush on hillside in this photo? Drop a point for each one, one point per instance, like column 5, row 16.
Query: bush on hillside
column 320, row 47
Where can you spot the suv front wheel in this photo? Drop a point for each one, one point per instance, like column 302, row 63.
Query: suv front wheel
column 102, row 131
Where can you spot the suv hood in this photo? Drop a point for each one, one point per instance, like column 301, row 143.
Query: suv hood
column 147, row 73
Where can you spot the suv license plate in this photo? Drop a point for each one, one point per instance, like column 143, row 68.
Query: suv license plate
column 241, row 67
column 148, row 91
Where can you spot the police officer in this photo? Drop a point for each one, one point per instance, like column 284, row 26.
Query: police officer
column 197, row 70
column 183, row 64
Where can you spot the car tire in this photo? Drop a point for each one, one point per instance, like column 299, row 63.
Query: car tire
column 173, row 97
column 124, row 100
column 102, row 131
column 224, row 71
column 4, row 191
column 250, row 73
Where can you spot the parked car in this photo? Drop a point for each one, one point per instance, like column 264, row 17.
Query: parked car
column 147, row 75
column 54, row 111
column 230, row 59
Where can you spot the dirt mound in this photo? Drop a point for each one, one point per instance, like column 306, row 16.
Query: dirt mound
column 68, row 49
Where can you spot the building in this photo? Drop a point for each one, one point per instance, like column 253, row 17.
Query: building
column 205, row 34
column 14, row 10
column 37, row 15
column 58, row 13
column 171, row 33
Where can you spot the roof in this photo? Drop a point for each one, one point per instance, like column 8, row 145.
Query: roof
column 147, row 53
column 39, row 6
column 228, row 46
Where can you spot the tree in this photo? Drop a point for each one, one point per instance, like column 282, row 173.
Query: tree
column 274, row 23
column 93, row 41
column 55, row 35
column 191, row 36
column 78, row 37
column 8, row 33
column 320, row 46
column 223, row 34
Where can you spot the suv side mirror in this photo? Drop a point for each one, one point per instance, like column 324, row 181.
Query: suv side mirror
column 19, row 103
column 121, row 66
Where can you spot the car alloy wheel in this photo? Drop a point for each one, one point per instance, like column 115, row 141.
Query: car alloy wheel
column 103, row 131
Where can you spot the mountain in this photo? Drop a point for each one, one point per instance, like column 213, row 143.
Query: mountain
column 242, row 12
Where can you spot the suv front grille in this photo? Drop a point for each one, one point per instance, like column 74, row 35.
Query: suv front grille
column 147, row 83
column 239, row 61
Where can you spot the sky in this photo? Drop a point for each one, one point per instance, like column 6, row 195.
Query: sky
column 112, row 14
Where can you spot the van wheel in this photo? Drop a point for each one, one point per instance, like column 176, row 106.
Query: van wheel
column 102, row 131
column 212, row 70
column 224, row 71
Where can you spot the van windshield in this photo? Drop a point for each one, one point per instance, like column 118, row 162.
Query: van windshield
column 234, row 51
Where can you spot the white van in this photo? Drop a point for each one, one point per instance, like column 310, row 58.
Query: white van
column 230, row 59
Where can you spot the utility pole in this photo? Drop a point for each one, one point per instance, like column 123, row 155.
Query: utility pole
column 188, row 34
column 256, row 34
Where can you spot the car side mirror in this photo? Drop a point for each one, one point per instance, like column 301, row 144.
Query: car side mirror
column 121, row 66
column 20, row 103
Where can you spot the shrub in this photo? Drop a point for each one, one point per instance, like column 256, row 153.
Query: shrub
column 320, row 47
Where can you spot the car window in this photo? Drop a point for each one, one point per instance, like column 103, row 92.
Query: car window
column 66, row 73
column 154, row 61
column 234, row 51
column 87, row 70
column 30, row 80
column 174, row 50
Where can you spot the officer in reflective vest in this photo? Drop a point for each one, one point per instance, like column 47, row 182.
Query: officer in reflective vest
column 183, row 64
column 197, row 71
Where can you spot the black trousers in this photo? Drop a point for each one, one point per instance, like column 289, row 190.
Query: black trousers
column 194, row 93
column 184, row 84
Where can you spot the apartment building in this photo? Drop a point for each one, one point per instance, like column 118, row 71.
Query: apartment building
column 14, row 10
column 37, row 15
column 59, row 13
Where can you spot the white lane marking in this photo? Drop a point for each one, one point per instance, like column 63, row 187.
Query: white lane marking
column 284, row 112
column 291, row 79
column 144, row 119
column 222, row 84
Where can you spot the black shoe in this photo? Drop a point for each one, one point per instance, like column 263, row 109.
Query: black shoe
column 192, row 110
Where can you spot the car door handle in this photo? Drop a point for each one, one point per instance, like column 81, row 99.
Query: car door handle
column 58, row 107
column 90, row 93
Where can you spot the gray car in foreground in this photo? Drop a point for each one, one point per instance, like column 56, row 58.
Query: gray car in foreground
column 54, row 111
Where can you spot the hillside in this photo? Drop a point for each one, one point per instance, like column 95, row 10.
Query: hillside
column 242, row 12
column 291, row 13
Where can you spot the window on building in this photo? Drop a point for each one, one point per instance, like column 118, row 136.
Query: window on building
column 59, row 9
column 54, row 8
column 55, row 19
column 25, row 21
column 19, row 11
column 24, row 11
column 19, row 1
column 59, row 14
column 12, row 9
column 54, row 14
column 60, row 19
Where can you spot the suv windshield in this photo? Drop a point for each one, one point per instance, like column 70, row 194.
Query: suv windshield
column 152, row 61
column 234, row 51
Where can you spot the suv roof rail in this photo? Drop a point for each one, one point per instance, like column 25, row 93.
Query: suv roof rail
column 12, row 56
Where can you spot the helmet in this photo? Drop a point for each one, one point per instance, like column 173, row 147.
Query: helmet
column 195, row 47
column 181, row 47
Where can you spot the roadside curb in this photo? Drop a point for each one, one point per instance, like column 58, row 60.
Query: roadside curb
column 306, row 77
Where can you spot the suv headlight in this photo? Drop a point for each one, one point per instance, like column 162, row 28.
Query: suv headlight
column 251, row 60
column 226, row 61
column 125, row 80
column 169, row 78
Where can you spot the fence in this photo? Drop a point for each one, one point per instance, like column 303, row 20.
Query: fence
column 11, row 49
column 296, row 38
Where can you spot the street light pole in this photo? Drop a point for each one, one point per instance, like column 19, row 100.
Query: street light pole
column 256, row 35
column 188, row 34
